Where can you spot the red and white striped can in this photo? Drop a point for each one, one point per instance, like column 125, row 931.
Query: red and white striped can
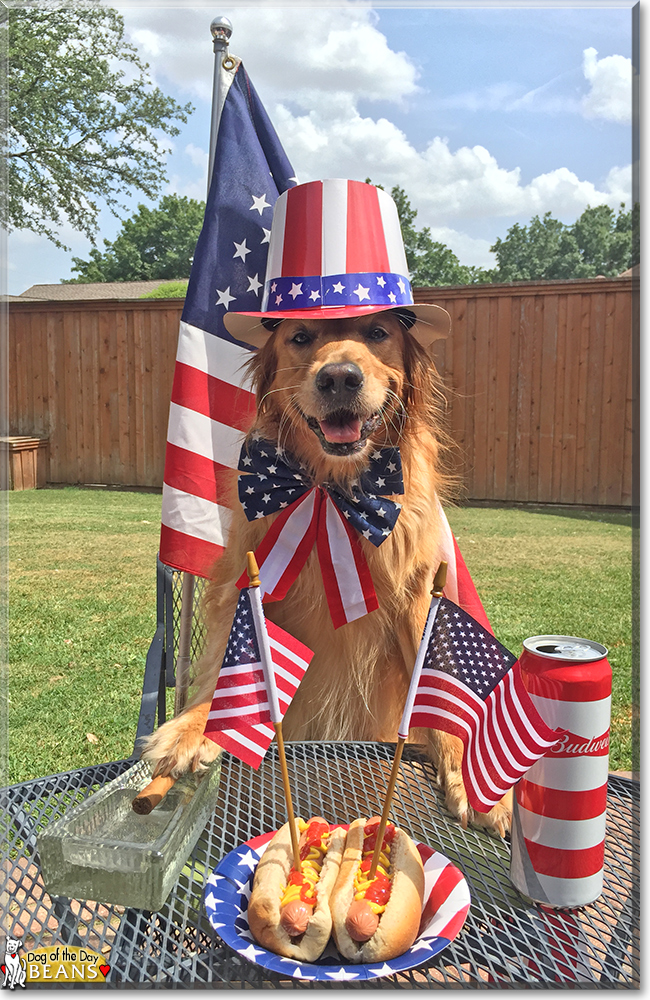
column 558, row 825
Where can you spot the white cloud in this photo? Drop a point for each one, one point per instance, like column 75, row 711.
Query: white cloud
column 446, row 185
column 610, row 95
column 296, row 50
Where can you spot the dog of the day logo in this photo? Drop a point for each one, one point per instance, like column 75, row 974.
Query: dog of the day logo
column 57, row 964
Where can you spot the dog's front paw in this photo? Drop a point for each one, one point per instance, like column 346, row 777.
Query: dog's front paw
column 447, row 753
column 179, row 746
column 496, row 821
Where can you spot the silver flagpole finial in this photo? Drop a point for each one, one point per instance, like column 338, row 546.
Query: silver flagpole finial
column 221, row 30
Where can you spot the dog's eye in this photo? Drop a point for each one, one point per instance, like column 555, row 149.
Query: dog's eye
column 377, row 333
column 301, row 337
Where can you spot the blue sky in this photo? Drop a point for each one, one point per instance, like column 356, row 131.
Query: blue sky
column 485, row 115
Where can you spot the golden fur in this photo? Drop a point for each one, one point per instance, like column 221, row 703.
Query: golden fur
column 356, row 685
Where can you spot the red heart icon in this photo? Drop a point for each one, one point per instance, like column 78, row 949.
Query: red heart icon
column 104, row 969
column 4, row 968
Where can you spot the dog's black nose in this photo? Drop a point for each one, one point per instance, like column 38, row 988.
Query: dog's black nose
column 339, row 379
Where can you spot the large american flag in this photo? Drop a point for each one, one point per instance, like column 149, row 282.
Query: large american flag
column 240, row 714
column 212, row 405
column 471, row 686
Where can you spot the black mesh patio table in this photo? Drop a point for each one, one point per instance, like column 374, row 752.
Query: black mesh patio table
column 506, row 942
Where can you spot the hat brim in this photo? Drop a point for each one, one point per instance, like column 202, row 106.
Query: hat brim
column 432, row 322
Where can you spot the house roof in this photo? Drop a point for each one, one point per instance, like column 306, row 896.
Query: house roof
column 89, row 290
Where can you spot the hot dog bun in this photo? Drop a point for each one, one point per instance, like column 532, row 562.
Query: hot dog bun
column 398, row 925
column 264, row 914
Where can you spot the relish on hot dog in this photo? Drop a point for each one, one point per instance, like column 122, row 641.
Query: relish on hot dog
column 288, row 911
column 375, row 920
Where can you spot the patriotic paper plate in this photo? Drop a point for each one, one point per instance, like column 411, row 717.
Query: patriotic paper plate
column 446, row 902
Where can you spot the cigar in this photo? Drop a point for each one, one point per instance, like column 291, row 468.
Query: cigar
column 152, row 794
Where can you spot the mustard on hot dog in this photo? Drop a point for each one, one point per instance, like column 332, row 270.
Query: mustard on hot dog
column 376, row 920
column 288, row 911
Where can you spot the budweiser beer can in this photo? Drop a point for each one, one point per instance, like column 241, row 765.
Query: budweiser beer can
column 559, row 809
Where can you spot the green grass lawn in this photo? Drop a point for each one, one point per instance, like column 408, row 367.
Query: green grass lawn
column 82, row 610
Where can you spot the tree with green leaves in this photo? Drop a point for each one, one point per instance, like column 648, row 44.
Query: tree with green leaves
column 430, row 263
column 598, row 243
column 154, row 243
column 85, row 120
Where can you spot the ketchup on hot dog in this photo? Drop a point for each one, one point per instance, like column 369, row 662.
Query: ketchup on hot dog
column 300, row 894
column 370, row 896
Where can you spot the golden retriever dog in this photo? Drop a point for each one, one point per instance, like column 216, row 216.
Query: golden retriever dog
column 330, row 391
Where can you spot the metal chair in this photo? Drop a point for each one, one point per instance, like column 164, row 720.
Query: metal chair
column 177, row 643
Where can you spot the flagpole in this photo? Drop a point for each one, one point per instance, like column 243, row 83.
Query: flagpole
column 438, row 584
column 274, row 705
column 221, row 30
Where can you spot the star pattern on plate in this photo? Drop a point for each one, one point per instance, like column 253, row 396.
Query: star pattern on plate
column 342, row 975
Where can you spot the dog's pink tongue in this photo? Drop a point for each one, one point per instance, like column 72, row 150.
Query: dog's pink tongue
column 341, row 433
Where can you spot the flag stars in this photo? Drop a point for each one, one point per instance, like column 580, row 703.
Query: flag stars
column 296, row 289
column 363, row 293
column 254, row 284
column 241, row 250
column 338, row 288
column 225, row 298
column 259, row 204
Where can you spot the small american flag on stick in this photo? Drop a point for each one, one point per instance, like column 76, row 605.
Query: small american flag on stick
column 240, row 718
column 470, row 686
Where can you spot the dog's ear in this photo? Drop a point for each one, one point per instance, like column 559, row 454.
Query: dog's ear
column 423, row 394
column 262, row 367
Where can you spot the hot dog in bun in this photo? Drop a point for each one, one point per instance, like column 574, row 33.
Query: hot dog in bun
column 289, row 911
column 373, row 921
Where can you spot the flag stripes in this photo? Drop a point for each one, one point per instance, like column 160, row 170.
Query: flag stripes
column 467, row 684
column 248, row 743
column 240, row 712
column 203, row 393
column 199, row 476
column 500, row 746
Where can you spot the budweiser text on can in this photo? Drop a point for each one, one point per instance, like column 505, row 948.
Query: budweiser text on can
column 558, row 823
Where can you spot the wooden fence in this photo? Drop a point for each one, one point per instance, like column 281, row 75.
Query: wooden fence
column 540, row 378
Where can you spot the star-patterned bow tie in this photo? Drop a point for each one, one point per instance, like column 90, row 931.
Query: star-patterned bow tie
column 322, row 514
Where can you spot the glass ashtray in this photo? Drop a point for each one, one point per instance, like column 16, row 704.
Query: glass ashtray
column 103, row 850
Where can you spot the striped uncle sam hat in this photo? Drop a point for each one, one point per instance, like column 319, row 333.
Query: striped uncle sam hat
column 335, row 251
